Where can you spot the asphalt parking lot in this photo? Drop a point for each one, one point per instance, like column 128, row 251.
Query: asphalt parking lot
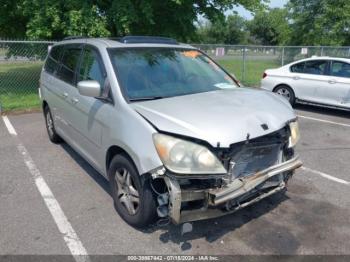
column 311, row 218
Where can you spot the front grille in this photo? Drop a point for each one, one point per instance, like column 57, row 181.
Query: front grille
column 253, row 158
column 249, row 157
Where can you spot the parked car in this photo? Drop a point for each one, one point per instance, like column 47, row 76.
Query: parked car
column 319, row 80
column 172, row 131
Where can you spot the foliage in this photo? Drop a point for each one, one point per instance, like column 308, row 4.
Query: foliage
column 231, row 30
column 270, row 27
column 320, row 22
column 12, row 21
column 55, row 19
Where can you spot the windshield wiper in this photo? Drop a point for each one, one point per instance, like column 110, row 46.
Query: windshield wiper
column 145, row 98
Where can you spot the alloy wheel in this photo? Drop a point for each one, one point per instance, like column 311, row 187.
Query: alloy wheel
column 49, row 124
column 127, row 194
column 284, row 92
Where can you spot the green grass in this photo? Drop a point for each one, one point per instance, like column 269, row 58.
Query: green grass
column 253, row 69
column 19, row 80
column 19, row 83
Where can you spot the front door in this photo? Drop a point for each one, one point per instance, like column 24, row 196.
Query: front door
column 89, row 114
column 307, row 77
column 337, row 91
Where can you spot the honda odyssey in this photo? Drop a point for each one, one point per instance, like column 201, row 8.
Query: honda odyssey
column 177, row 136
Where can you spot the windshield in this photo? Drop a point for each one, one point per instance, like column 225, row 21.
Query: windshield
column 154, row 73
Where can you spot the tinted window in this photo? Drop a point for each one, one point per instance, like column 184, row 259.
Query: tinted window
column 315, row 67
column 298, row 68
column 52, row 61
column 69, row 63
column 90, row 68
column 340, row 69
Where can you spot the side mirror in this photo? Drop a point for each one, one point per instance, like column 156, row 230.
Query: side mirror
column 90, row 88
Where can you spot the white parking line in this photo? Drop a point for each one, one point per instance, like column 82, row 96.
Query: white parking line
column 324, row 121
column 325, row 175
column 69, row 235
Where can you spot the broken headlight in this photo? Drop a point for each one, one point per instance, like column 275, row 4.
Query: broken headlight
column 294, row 134
column 185, row 157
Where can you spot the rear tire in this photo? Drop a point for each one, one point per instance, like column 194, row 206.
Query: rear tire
column 133, row 197
column 286, row 92
column 50, row 126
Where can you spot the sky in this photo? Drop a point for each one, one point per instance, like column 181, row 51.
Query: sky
column 246, row 14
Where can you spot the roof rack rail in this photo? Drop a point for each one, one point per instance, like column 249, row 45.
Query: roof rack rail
column 74, row 37
column 146, row 40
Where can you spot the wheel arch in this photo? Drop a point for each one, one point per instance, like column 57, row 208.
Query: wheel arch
column 116, row 150
column 284, row 84
column 281, row 84
column 292, row 102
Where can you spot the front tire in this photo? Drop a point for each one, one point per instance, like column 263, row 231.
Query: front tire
column 132, row 194
column 286, row 92
column 50, row 126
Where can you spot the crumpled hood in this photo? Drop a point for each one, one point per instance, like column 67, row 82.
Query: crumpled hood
column 223, row 116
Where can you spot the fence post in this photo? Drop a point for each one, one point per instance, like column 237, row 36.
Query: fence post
column 322, row 51
column 243, row 66
column 282, row 56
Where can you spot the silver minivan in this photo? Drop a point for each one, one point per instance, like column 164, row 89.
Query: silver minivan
column 177, row 136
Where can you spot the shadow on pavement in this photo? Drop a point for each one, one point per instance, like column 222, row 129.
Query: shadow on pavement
column 97, row 177
column 296, row 220
column 213, row 229
column 323, row 110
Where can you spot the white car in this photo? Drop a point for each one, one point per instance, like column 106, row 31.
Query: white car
column 319, row 80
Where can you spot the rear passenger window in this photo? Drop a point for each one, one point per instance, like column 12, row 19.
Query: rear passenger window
column 91, row 68
column 340, row 69
column 69, row 63
column 52, row 61
column 315, row 67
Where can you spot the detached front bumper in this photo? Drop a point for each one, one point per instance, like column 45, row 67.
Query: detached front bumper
column 235, row 195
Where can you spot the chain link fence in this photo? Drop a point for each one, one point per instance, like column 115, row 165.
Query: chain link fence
column 20, row 67
column 248, row 63
column 21, row 63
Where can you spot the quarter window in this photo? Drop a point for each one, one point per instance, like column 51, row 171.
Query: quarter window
column 90, row 68
column 298, row 68
column 340, row 69
column 52, row 61
column 69, row 63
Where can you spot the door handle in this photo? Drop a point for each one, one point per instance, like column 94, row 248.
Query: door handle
column 74, row 100
column 64, row 95
column 332, row 81
column 296, row 77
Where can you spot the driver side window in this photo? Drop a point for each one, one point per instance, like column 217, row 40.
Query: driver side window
column 90, row 68
column 340, row 69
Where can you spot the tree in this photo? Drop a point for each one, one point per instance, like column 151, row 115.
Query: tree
column 320, row 22
column 12, row 20
column 54, row 19
column 231, row 30
column 270, row 27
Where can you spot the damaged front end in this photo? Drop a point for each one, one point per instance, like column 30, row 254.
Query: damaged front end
column 255, row 168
